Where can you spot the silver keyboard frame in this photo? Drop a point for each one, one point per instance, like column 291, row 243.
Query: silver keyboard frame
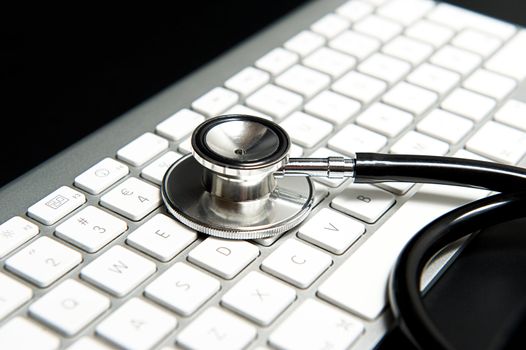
column 61, row 170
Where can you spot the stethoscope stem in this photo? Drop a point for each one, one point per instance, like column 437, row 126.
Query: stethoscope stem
column 331, row 167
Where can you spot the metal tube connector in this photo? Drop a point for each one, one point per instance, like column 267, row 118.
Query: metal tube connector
column 331, row 167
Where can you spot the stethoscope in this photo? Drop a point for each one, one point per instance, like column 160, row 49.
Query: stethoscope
column 240, row 183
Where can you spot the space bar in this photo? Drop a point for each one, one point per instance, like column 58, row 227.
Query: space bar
column 359, row 285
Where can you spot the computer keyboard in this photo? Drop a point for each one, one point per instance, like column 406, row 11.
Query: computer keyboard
column 91, row 260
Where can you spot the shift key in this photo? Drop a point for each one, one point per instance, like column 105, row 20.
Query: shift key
column 359, row 285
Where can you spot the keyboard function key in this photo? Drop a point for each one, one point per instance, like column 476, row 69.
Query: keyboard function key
column 69, row 307
column 182, row 288
column 132, row 198
column 363, row 202
column 180, row 124
column 359, row 86
column 305, row 130
column 490, row 84
column 355, row 44
column 13, row 294
column 384, row 67
column 274, row 101
column 384, row 119
column 302, row 80
column 329, row 329
column 142, row 149
column 330, row 25
column 330, row 61
column 304, row 43
column 137, row 325
column 296, row 263
column 353, row 138
column 277, row 61
column 161, row 237
column 21, row 333
column 430, row 32
column 332, row 107
column 247, row 81
column 101, row 176
column 15, row 232
column 468, row 104
column 445, row 126
column 215, row 101
column 118, row 271
column 43, row 261
column 91, row 229
column 331, row 231
column 378, row 27
column 259, row 298
column 455, row 59
column 56, row 205
column 410, row 98
column 217, row 329
column 512, row 113
column 226, row 258
column 155, row 171
column 434, row 78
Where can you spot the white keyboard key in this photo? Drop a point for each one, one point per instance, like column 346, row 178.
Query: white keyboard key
column 247, row 81
column 478, row 42
column 225, row 258
column 331, row 231
column 459, row 18
column 324, row 153
column 405, row 11
column 88, row 343
column 180, row 124
column 399, row 188
column 445, row 126
column 408, row 49
column 498, row 142
column 384, row 119
column 378, row 27
column 385, row 67
column 430, row 32
column 295, row 150
column 137, row 325
column 13, row 294
column 330, row 25
column 161, row 237
column 359, row 86
column 182, row 288
column 142, row 149
column 118, row 271
column 306, row 130
column 274, row 101
column 416, row 143
column 468, row 104
column 410, row 98
column 101, row 176
column 356, row 44
column 434, row 78
column 330, row 61
column 490, row 84
column 296, row 263
column 277, row 61
column 355, row 10
column 216, row 329
column 21, row 333
column 215, row 101
column 156, row 170
column 91, row 229
column 314, row 325
column 303, row 80
column 43, row 261
column 364, row 202
column 353, row 138
column 463, row 153
column 332, row 107
column 510, row 59
column 304, row 43
column 259, row 298
column 15, row 232
column 56, row 205
column 455, row 59
column 241, row 109
column 69, row 307
column 513, row 113
column 133, row 199
column 360, row 284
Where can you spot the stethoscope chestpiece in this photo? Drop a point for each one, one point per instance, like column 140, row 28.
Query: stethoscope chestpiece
column 228, row 189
